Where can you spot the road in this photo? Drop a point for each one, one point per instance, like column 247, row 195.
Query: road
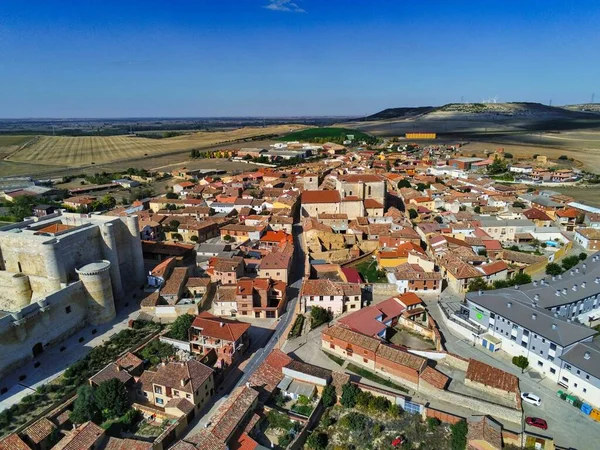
column 297, row 274
column 568, row 426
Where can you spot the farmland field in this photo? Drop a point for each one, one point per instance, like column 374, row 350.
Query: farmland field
column 326, row 132
column 80, row 151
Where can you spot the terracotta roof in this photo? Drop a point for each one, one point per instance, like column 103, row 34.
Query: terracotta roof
column 276, row 260
column 111, row 371
column 268, row 375
column 309, row 369
column 220, row 328
column 410, row 299
column 114, row 443
column 145, row 380
column 182, row 445
column 39, row 430
column 434, row 377
column 338, row 380
column 401, row 357
column 197, row 282
column 372, row 203
column 83, row 438
column 55, row 228
column 226, row 293
column 244, row 442
column 175, row 281
column 192, row 372
column 589, row 233
column 352, row 337
column 320, row 197
column 364, row 178
column 205, row 440
column 570, row 213
column 490, row 376
column 13, row 442
column 277, row 236
column 536, row 214
column 322, row 287
column 182, row 404
column 231, row 413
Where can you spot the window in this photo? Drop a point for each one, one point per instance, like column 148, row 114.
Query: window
column 550, row 358
column 525, row 332
column 513, row 338
column 587, row 377
column 584, row 390
column 541, row 364
column 159, row 401
column 331, row 297
column 533, row 348
column 175, row 393
column 331, row 346
column 543, row 340
column 552, row 370
column 565, row 379
column 188, row 396
column 492, row 315
column 68, row 309
column 578, row 371
column 568, row 367
column 321, row 298
column 352, row 306
column 365, row 360
column 157, row 390
column 552, row 346
column 541, row 352
column 523, row 344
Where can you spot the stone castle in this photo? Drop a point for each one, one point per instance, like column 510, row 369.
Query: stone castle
column 60, row 273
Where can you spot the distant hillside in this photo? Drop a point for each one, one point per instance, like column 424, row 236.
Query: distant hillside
column 585, row 107
column 397, row 113
column 330, row 133
column 485, row 111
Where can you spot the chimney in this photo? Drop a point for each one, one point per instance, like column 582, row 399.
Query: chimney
column 221, row 324
column 509, row 305
column 534, row 316
column 583, row 284
column 574, row 288
column 587, row 355
column 597, row 280
column 553, row 278
column 576, row 269
column 535, row 283
column 558, row 292
column 183, row 381
column 565, row 291
column 560, row 276
column 572, row 272
column 480, row 292
column 536, row 297
column 247, row 384
column 554, row 326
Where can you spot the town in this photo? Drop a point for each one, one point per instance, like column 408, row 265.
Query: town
column 350, row 294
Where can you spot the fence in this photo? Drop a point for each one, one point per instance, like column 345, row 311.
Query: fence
column 442, row 416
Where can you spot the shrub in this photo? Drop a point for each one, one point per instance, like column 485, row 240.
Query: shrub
column 379, row 404
column 521, row 362
column 328, row 396
column 433, row 423
column 354, row 421
column 180, row 328
column 395, row 410
column 284, row 440
column 157, row 351
column 317, row 441
column 278, row 420
column 111, row 398
column 553, row 269
column 563, row 158
column 583, row 256
column 319, row 316
column 350, row 394
column 570, row 262
column 84, row 408
column 459, row 431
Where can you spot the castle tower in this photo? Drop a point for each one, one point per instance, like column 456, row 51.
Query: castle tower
column 136, row 249
column 21, row 290
column 55, row 270
column 111, row 254
column 97, row 283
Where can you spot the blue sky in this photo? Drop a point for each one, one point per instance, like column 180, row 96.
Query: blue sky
column 104, row 58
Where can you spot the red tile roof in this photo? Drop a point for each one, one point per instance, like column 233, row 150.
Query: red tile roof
column 83, row 438
column 244, row 442
column 320, row 197
column 492, row 268
column 352, row 275
column 435, row 378
column 231, row 413
column 410, row 299
column 487, row 375
column 220, row 328
column 39, row 430
column 13, row 442
column 372, row 203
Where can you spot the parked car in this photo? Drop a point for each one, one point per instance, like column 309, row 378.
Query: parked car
column 531, row 398
column 398, row 441
column 536, row 422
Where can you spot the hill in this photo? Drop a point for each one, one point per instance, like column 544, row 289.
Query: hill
column 325, row 133
column 397, row 113
column 585, row 107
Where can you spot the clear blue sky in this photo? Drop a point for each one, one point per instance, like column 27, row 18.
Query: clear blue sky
column 104, row 58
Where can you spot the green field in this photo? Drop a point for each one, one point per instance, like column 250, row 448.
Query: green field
column 10, row 140
column 324, row 133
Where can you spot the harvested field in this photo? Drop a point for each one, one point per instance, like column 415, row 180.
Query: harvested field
column 79, row 151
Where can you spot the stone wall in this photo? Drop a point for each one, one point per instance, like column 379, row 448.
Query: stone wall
column 385, row 289
column 44, row 325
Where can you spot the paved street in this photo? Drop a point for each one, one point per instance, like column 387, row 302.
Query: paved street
column 568, row 426
column 53, row 362
column 245, row 370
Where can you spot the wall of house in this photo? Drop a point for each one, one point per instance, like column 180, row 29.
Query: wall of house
column 313, row 209
column 353, row 209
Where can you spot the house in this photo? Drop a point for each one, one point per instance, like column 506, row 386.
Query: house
column 505, row 230
column 277, row 264
column 300, row 378
column 81, row 203
column 588, row 238
column 269, row 374
column 375, row 320
column 241, row 233
column 592, row 220
column 161, row 272
column 197, row 287
column 567, row 218
column 225, row 301
column 199, row 231
column 413, row 278
column 87, row 436
column 44, row 210
column 189, row 380
column 261, row 298
column 226, row 270
column 39, row 434
column 335, row 297
column 124, row 369
column 484, row 434
column 393, row 257
column 373, row 208
column 538, row 217
column 497, row 270
column 275, row 239
column 458, row 273
column 315, row 202
column 228, row 338
column 174, row 288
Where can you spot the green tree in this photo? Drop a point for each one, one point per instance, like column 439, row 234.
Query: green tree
column 496, row 167
column 518, row 204
column 422, row 186
column 317, row 441
column 583, row 256
column 328, row 396
column 194, row 238
column 180, row 328
column 521, row 278
column 177, row 237
column 171, row 195
column 413, row 214
column 482, row 252
column 570, row 261
column 478, row 284
column 438, row 219
column 477, row 210
column 319, row 316
column 349, row 395
column 111, row 398
column 458, row 440
column 553, row 269
column 108, row 202
column 433, row 423
column 22, row 206
column 84, row 407
column 156, row 351
column 403, row 184
column 228, row 238
column 521, row 362
column 508, row 155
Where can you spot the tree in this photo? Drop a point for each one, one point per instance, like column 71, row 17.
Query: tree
column 477, row 210
column 111, row 398
column 108, row 202
column 482, row 252
column 319, row 316
column 84, row 407
column 180, row 328
column 583, row 256
column 521, row 362
column 522, row 278
column 518, row 204
column 422, row 186
column 22, row 206
column 478, row 284
column 177, row 236
column 413, row 214
column 388, row 166
column 228, row 238
column 328, row 396
column 459, row 430
column 349, row 395
column 317, row 441
column 403, row 184
column 563, row 158
column 157, row 351
column 496, row 167
column 553, row 269
column 438, row 219
column 570, row 261
column 194, row 238
column 172, row 195
column 508, row 155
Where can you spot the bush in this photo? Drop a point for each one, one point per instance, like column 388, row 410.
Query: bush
column 317, row 441
column 278, row 420
column 458, row 439
column 354, row 421
column 583, row 256
column 521, row 362
column 318, row 316
column 157, row 351
column 553, row 269
column 395, row 410
column 570, row 261
column 379, row 404
column 180, row 328
column 284, row 440
column 563, row 158
column 521, row 278
column 433, row 423
column 328, row 396
column 111, row 398
column 413, row 214
column 350, row 394
column 84, row 408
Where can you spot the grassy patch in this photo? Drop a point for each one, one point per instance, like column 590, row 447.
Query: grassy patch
column 375, row 378
column 9, row 140
column 297, row 328
column 303, row 410
column 336, row 359
column 325, row 133
column 368, row 269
